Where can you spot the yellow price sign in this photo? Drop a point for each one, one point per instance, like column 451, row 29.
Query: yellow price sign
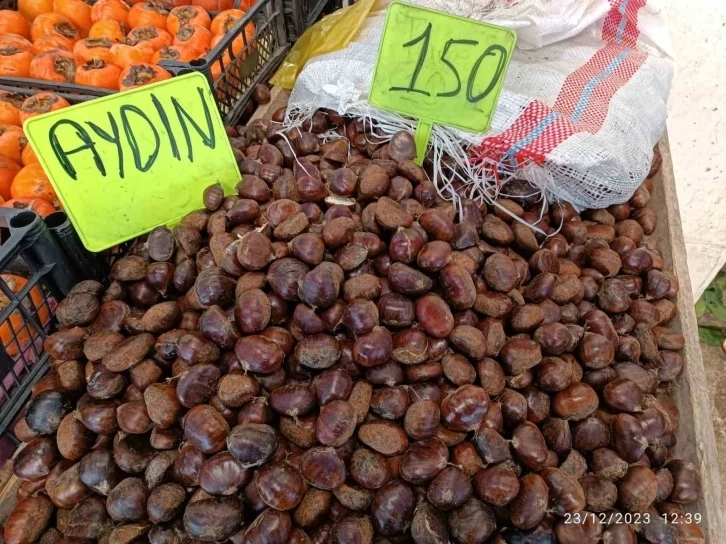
column 132, row 161
column 440, row 68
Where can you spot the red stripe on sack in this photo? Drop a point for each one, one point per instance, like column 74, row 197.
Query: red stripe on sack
column 598, row 105
column 571, row 90
column 537, row 149
column 531, row 116
column 556, row 132
column 631, row 33
column 614, row 19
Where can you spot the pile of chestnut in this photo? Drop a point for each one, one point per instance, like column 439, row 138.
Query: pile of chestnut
column 338, row 354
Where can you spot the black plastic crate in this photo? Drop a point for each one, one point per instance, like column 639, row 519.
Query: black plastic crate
column 234, row 74
column 72, row 93
column 41, row 259
column 233, row 67
column 302, row 14
column 28, row 296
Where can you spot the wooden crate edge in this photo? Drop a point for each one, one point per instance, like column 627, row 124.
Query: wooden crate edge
column 9, row 484
column 278, row 99
column 696, row 439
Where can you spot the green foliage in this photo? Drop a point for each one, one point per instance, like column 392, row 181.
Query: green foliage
column 710, row 337
column 720, row 282
column 700, row 308
column 713, row 302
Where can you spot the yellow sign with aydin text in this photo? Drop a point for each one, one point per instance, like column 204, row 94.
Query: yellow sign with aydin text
column 440, row 68
column 127, row 163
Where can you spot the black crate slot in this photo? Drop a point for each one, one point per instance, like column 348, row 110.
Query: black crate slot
column 302, row 14
column 35, row 273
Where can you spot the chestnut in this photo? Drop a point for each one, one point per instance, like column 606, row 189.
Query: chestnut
column 529, row 506
column 450, row 489
column 392, row 508
column 28, row 520
column 205, row 428
column 165, row 502
column 127, row 501
column 213, row 519
column 323, row 468
column 280, row 486
column 638, row 489
column 423, row 461
column 252, row 444
column 496, row 485
column 472, row 521
column 343, row 351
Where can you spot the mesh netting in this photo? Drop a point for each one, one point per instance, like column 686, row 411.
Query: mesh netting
column 583, row 102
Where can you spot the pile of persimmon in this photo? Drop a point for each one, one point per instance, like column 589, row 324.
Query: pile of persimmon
column 115, row 45
column 23, row 183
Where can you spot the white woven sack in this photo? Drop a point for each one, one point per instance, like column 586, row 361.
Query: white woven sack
column 583, row 103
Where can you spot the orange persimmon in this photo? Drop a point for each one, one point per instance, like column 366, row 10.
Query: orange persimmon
column 13, row 40
column 31, row 182
column 113, row 30
column 12, row 22
column 110, row 10
column 30, row 9
column 15, row 62
column 187, row 15
column 98, row 73
column 225, row 74
column 8, row 170
column 214, row 5
column 52, row 41
column 54, row 65
column 219, row 65
column 154, row 36
column 15, row 332
column 237, row 45
column 10, row 108
column 40, row 103
column 123, row 54
column 54, row 23
column 225, row 19
column 138, row 75
column 28, row 156
column 174, row 52
column 148, row 14
column 12, row 142
column 37, row 205
column 78, row 11
column 171, row 4
column 195, row 37
column 92, row 48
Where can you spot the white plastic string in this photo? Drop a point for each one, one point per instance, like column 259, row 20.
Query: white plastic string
column 292, row 149
column 479, row 182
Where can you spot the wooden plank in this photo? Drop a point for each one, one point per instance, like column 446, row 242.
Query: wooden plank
column 696, row 440
column 9, row 486
column 278, row 99
column 8, row 498
column 6, row 472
